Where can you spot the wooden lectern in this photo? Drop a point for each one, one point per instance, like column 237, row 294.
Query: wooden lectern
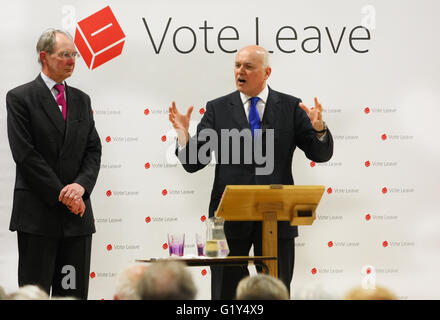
column 270, row 204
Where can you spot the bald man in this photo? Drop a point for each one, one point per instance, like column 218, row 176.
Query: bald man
column 282, row 123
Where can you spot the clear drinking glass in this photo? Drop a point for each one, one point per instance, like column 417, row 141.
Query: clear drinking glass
column 176, row 243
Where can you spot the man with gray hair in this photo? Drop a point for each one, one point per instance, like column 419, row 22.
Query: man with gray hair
column 127, row 282
column 167, row 280
column 261, row 287
column 29, row 292
column 283, row 123
column 57, row 152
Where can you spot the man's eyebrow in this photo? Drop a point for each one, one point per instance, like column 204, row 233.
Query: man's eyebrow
column 248, row 64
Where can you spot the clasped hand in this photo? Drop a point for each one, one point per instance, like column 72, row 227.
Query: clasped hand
column 71, row 196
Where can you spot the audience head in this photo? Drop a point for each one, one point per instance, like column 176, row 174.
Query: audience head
column 167, row 280
column 378, row 293
column 315, row 290
column 29, row 292
column 261, row 287
column 127, row 282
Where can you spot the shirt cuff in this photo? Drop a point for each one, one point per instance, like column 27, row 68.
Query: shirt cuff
column 324, row 137
column 179, row 147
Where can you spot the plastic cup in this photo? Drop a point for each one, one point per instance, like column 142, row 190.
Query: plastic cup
column 176, row 243
column 200, row 244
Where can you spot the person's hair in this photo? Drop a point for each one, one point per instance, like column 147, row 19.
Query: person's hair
column 47, row 41
column 378, row 293
column 127, row 282
column 315, row 290
column 166, row 280
column 261, row 287
column 29, row 292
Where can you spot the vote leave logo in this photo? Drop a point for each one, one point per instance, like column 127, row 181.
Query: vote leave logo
column 99, row 38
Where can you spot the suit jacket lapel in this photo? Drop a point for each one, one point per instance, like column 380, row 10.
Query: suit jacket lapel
column 270, row 111
column 72, row 113
column 237, row 111
column 50, row 106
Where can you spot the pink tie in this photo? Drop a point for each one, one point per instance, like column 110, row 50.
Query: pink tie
column 61, row 100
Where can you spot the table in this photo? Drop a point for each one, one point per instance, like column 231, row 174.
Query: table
column 208, row 261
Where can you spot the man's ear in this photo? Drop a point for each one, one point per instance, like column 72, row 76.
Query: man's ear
column 268, row 72
column 43, row 56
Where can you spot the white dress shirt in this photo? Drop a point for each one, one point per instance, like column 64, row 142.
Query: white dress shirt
column 261, row 105
column 50, row 84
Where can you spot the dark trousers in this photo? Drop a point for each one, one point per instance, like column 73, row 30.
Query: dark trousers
column 225, row 279
column 62, row 264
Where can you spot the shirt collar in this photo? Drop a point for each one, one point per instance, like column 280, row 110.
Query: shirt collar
column 262, row 95
column 48, row 81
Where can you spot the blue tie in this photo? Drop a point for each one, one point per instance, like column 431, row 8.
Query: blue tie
column 254, row 117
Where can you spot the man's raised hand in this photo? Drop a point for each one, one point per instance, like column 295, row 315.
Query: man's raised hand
column 180, row 123
column 315, row 115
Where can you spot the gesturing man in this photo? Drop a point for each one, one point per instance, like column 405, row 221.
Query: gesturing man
column 57, row 152
column 255, row 108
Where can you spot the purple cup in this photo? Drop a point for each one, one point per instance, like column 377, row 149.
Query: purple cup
column 200, row 249
column 176, row 244
column 200, row 242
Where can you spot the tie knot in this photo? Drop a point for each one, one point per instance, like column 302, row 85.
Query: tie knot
column 254, row 101
column 59, row 87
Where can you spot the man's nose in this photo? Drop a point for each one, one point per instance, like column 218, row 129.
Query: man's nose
column 240, row 70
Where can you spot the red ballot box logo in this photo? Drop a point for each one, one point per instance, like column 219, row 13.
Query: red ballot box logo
column 99, row 38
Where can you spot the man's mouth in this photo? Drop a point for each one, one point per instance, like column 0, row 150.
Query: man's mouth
column 242, row 81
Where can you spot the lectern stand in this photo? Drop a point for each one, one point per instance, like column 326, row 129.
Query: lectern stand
column 270, row 204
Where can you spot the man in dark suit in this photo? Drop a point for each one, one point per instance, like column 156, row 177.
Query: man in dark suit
column 57, row 152
column 258, row 109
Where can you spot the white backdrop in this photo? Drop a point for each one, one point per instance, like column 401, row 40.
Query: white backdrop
column 380, row 106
